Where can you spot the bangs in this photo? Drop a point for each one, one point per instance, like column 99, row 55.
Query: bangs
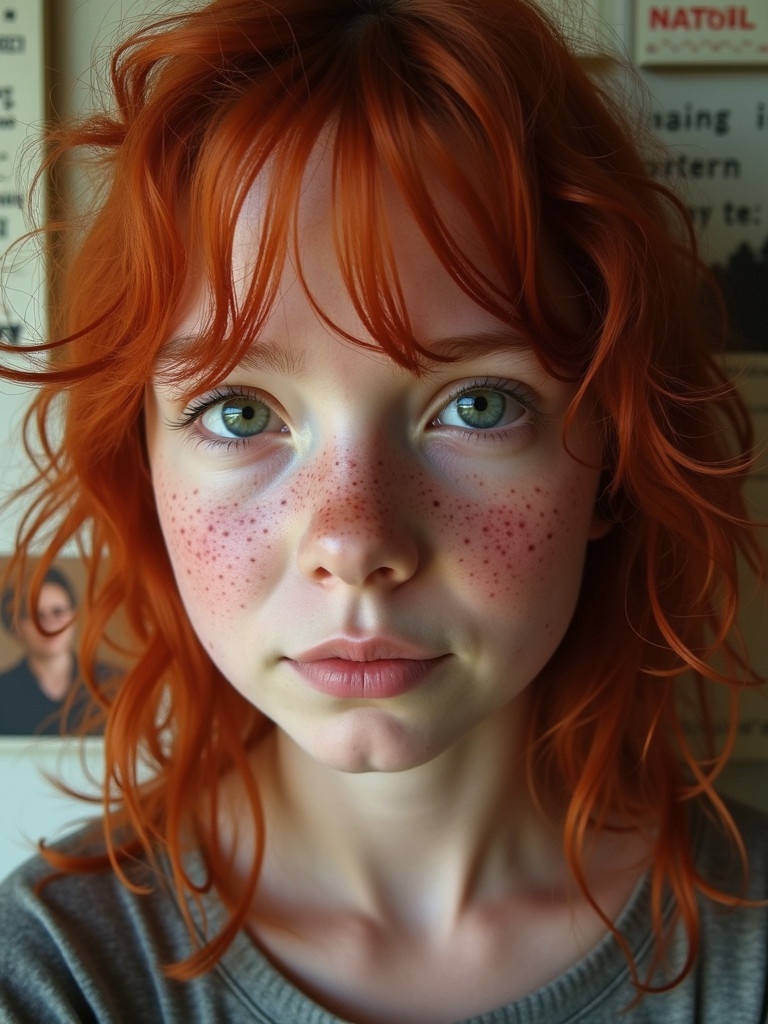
column 392, row 107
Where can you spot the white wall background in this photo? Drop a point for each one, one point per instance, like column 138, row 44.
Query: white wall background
column 30, row 807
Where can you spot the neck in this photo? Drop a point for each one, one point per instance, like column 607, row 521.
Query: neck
column 417, row 845
column 53, row 673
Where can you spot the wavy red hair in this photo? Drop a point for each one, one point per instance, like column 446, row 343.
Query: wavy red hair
column 485, row 95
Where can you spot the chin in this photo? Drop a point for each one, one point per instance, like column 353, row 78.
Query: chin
column 372, row 746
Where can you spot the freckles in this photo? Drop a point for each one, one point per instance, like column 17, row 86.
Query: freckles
column 503, row 549
column 346, row 498
column 215, row 547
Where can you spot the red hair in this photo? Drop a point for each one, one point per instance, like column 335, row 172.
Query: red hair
column 485, row 95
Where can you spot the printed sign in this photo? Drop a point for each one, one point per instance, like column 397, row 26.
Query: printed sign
column 691, row 34
column 713, row 131
column 22, row 114
column 715, row 154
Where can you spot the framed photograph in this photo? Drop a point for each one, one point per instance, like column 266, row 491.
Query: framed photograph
column 40, row 691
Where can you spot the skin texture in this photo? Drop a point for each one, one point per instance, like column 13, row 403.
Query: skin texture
column 368, row 525
column 367, row 509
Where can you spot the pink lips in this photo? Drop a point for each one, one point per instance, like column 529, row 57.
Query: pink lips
column 375, row 668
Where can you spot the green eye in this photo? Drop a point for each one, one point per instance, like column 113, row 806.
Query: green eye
column 243, row 417
column 482, row 408
column 240, row 417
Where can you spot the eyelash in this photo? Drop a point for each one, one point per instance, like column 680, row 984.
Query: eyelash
column 199, row 406
column 510, row 389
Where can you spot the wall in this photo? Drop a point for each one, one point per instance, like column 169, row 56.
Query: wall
column 79, row 31
column 31, row 807
column 706, row 72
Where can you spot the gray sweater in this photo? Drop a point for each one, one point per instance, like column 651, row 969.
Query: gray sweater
column 87, row 949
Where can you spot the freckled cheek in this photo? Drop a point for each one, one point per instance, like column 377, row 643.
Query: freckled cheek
column 222, row 547
column 502, row 550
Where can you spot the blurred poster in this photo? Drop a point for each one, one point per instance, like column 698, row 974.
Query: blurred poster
column 23, row 286
column 22, row 116
column 713, row 123
column 715, row 129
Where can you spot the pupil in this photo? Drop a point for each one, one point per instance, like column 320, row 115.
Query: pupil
column 481, row 404
column 247, row 412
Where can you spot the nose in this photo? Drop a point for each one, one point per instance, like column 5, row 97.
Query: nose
column 358, row 533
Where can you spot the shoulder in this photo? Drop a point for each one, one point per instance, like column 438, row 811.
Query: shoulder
column 16, row 674
column 728, row 979
column 89, row 948
column 731, row 970
column 24, row 708
column 85, row 947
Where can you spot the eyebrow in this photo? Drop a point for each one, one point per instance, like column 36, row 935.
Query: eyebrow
column 272, row 356
column 265, row 355
column 456, row 347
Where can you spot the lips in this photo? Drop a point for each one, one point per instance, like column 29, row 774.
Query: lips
column 372, row 667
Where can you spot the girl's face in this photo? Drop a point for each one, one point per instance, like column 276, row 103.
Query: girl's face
column 380, row 562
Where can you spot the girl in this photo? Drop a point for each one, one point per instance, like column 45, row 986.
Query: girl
column 391, row 429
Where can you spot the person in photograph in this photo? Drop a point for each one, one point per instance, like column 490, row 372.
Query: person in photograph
column 34, row 691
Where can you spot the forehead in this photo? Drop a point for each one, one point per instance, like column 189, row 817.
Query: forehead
column 392, row 243
column 361, row 256
column 293, row 270
column 53, row 593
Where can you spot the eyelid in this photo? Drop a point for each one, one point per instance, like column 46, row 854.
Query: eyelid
column 516, row 390
column 199, row 405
